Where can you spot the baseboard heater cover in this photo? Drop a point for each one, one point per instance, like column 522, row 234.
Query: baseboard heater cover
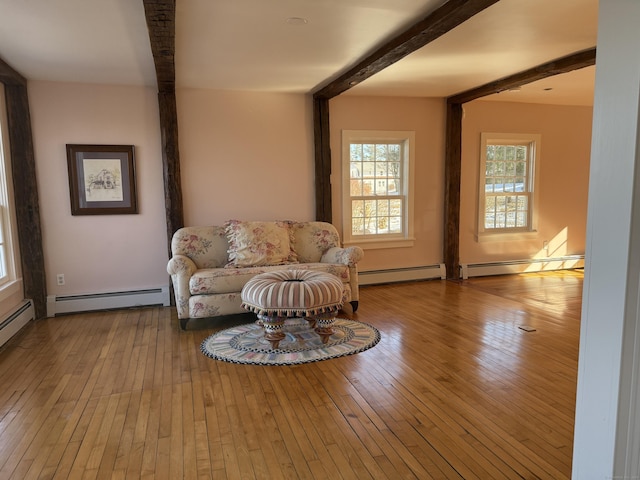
column 427, row 272
column 59, row 304
column 15, row 320
column 521, row 266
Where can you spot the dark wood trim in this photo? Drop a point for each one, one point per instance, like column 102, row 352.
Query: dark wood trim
column 9, row 76
column 25, row 189
column 575, row 61
column 323, row 159
column 452, row 175
column 431, row 27
column 161, row 22
column 171, row 164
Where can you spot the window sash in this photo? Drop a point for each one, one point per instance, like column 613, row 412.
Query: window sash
column 507, row 212
column 376, row 191
column 377, row 215
column 507, row 178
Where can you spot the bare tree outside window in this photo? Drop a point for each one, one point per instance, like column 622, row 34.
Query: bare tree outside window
column 376, row 206
column 377, row 196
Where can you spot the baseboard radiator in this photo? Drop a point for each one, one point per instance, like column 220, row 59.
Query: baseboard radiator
column 12, row 322
column 61, row 304
column 521, row 266
column 427, row 272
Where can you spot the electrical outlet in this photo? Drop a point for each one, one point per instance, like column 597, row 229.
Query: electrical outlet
column 60, row 278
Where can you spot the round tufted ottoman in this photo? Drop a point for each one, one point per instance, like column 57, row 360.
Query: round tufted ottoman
column 275, row 296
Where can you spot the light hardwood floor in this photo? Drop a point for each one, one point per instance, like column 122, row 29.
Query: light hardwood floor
column 454, row 390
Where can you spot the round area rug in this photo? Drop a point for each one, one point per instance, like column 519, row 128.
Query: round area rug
column 246, row 343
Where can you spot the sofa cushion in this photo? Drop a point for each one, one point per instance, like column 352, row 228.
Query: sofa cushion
column 312, row 239
column 206, row 246
column 227, row 280
column 259, row 243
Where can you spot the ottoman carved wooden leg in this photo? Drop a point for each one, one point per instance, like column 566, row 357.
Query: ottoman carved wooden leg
column 273, row 329
column 323, row 324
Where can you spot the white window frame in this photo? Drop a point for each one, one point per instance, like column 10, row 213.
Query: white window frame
column 379, row 240
column 533, row 141
column 10, row 284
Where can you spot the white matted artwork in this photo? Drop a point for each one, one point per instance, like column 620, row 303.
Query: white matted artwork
column 103, row 180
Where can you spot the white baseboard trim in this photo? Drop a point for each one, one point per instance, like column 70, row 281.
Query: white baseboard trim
column 521, row 266
column 427, row 272
column 11, row 323
column 59, row 304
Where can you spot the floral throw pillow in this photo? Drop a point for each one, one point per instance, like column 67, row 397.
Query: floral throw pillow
column 259, row 243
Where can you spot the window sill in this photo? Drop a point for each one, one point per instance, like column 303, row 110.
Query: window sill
column 375, row 244
column 10, row 288
column 506, row 236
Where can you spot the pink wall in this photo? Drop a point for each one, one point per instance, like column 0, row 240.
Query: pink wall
column 99, row 253
column 563, row 177
column 245, row 155
column 249, row 155
column 425, row 116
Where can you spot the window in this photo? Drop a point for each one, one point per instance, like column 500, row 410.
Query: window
column 507, row 183
column 377, row 193
column 7, row 220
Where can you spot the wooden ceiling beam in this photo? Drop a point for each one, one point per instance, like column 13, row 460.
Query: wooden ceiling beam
column 433, row 26
column 575, row 61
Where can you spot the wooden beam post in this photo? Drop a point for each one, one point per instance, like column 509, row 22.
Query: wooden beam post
column 25, row 190
column 452, row 174
column 170, row 163
column 322, row 150
column 161, row 22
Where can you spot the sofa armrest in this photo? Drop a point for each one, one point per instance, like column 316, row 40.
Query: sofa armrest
column 346, row 256
column 181, row 267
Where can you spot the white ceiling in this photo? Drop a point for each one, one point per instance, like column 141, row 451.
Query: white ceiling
column 251, row 45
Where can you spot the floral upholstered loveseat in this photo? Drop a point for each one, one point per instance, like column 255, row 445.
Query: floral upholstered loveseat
column 210, row 265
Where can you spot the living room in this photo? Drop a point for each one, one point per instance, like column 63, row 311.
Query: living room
column 226, row 136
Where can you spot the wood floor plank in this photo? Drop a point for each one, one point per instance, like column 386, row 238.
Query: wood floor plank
column 127, row 454
column 148, row 432
column 454, row 390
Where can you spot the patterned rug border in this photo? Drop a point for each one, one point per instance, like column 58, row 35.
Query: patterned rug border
column 244, row 344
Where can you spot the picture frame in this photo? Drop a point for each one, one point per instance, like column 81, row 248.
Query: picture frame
column 102, row 179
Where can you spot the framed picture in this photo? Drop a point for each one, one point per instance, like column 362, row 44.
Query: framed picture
column 102, row 179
